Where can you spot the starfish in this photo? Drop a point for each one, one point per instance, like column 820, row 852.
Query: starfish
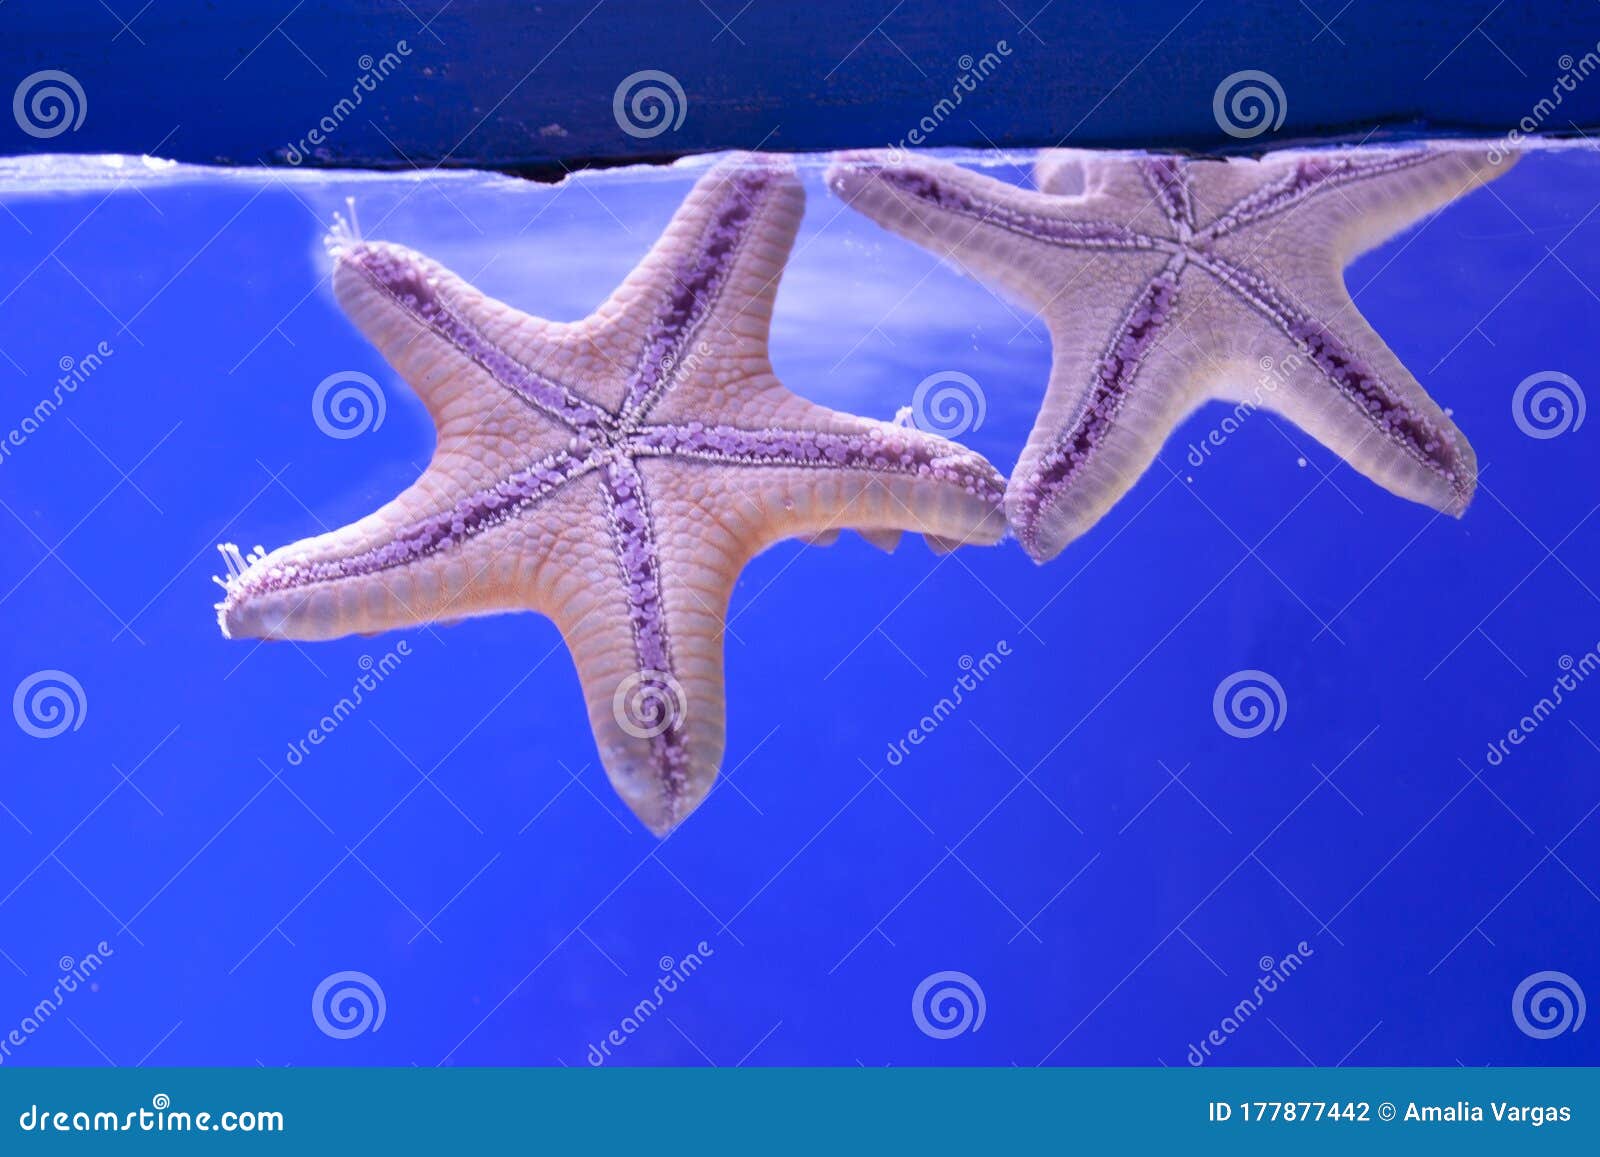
column 1168, row 282
column 614, row 474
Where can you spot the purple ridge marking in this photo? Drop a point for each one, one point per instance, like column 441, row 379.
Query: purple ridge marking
column 884, row 450
column 1167, row 178
column 698, row 283
column 638, row 559
column 1362, row 386
column 1307, row 177
column 1113, row 376
column 1037, row 226
column 405, row 281
column 471, row 516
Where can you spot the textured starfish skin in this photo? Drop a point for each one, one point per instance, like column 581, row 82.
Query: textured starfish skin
column 1166, row 283
column 614, row 474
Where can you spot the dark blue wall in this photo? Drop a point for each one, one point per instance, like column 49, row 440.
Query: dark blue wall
column 490, row 82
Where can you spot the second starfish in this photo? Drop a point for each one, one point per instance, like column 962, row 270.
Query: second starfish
column 1166, row 282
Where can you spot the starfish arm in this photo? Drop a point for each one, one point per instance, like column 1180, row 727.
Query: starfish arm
column 704, row 294
column 1033, row 246
column 1125, row 371
column 1334, row 377
column 510, row 436
column 439, row 551
column 468, row 356
column 809, row 472
column 1362, row 198
column 1368, row 215
column 642, row 606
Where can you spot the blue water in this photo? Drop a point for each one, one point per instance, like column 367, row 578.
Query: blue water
column 455, row 840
